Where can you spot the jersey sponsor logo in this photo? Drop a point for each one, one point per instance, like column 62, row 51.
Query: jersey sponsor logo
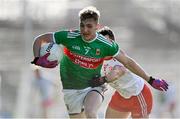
column 83, row 61
column 76, row 47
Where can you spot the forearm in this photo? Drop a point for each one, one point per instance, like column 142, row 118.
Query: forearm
column 156, row 83
column 135, row 68
column 36, row 47
column 39, row 41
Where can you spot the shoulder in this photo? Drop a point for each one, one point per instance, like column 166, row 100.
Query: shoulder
column 103, row 40
column 67, row 33
column 73, row 33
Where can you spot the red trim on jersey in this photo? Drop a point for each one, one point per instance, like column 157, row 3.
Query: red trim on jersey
column 108, row 58
column 83, row 61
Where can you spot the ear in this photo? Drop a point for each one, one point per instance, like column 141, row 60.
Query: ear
column 99, row 26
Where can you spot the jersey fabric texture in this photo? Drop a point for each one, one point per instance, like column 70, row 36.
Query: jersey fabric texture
column 82, row 59
column 127, row 85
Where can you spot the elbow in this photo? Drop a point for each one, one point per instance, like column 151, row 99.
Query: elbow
column 44, row 38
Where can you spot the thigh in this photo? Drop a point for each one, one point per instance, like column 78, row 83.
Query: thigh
column 93, row 101
column 94, row 98
column 119, row 107
column 112, row 113
column 74, row 100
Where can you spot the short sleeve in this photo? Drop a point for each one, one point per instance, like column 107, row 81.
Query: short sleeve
column 113, row 49
column 60, row 37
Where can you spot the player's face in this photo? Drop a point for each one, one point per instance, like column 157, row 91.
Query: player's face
column 107, row 37
column 88, row 29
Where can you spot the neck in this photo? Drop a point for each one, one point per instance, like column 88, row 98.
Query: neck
column 92, row 38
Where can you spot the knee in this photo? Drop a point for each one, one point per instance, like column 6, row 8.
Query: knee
column 90, row 113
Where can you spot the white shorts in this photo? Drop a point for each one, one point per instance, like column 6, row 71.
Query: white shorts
column 74, row 99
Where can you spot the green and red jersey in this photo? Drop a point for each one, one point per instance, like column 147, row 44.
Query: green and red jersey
column 82, row 59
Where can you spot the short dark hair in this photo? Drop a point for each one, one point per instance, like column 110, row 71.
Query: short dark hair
column 89, row 12
column 107, row 31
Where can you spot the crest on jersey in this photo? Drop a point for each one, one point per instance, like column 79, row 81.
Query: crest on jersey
column 97, row 51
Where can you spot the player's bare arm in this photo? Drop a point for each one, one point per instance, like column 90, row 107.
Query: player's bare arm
column 130, row 64
column 45, row 38
column 42, row 60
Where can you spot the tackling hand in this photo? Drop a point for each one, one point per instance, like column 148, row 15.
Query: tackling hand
column 158, row 84
column 97, row 81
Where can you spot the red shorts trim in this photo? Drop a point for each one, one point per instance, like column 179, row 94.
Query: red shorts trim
column 140, row 106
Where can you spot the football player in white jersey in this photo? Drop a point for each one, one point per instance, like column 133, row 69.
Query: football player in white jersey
column 132, row 95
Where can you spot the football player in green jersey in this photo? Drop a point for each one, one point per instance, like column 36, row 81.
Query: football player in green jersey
column 84, row 53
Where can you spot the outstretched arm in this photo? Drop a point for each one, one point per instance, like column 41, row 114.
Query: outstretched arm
column 130, row 64
column 45, row 38
column 42, row 61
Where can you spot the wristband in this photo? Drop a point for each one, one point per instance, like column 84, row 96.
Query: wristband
column 151, row 79
column 35, row 60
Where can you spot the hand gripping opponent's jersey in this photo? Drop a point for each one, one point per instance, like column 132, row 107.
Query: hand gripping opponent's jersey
column 82, row 59
column 127, row 85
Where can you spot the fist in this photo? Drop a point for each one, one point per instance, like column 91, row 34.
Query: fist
column 97, row 81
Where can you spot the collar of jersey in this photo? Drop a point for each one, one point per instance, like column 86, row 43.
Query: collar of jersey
column 90, row 40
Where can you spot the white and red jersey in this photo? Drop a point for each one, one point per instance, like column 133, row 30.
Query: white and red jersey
column 127, row 85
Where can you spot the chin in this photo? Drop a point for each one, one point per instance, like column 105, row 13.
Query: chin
column 87, row 38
